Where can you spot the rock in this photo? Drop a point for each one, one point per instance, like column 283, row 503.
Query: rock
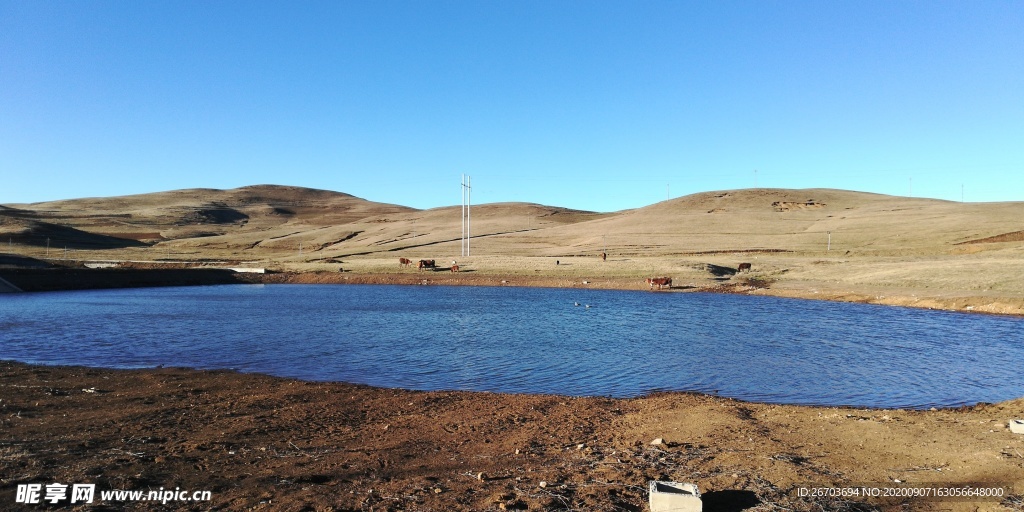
column 1016, row 426
column 543, row 484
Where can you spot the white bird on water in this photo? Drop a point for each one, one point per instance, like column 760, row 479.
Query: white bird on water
column 575, row 303
column 588, row 306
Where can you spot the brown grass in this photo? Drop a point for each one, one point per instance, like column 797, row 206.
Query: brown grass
column 881, row 246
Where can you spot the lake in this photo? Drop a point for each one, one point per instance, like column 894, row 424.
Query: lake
column 533, row 340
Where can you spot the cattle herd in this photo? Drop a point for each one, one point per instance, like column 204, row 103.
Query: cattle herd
column 659, row 282
column 424, row 264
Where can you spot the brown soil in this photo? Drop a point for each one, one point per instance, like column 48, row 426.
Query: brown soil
column 264, row 443
column 1016, row 236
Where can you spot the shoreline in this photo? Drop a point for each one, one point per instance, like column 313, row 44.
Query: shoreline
column 266, row 443
column 63, row 279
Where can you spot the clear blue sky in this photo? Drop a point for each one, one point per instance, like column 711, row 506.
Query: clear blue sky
column 586, row 104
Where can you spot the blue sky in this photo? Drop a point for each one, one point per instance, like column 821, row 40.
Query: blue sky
column 592, row 105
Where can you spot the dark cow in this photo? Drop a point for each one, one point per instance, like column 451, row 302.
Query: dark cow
column 744, row 267
column 660, row 282
column 604, row 257
column 455, row 268
column 427, row 264
column 405, row 262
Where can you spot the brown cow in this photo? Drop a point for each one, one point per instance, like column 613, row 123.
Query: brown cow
column 744, row 267
column 455, row 268
column 604, row 257
column 659, row 282
column 426, row 264
column 405, row 262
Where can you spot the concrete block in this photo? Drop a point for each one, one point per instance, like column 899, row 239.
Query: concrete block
column 1017, row 426
column 674, row 497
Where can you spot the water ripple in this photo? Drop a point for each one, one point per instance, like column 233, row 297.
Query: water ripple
column 534, row 340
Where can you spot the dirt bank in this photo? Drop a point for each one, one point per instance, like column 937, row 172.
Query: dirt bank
column 54, row 279
column 264, row 443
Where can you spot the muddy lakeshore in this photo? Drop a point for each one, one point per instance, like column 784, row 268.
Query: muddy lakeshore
column 264, row 443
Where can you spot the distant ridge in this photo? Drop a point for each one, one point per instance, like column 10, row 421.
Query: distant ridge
column 273, row 221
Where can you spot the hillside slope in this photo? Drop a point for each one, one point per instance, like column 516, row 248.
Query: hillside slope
column 298, row 224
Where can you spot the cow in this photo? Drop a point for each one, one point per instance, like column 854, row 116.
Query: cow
column 455, row 268
column 604, row 257
column 405, row 262
column 660, row 282
column 426, row 264
column 744, row 267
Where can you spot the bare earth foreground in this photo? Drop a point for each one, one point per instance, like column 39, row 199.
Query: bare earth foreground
column 263, row 443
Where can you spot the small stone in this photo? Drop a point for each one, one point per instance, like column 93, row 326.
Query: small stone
column 658, row 442
column 543, row 484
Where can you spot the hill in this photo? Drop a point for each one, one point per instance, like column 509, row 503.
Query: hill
column 816, row 243
column 272, row 222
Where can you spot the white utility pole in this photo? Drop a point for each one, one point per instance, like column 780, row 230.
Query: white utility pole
column 467, row 202
column 462, row 237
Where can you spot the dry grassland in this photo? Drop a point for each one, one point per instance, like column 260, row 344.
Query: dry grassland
column 813, row 243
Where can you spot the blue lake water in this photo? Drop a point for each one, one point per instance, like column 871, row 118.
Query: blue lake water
column 534, row 341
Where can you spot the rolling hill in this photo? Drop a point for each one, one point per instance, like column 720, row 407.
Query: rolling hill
column 292, row 223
